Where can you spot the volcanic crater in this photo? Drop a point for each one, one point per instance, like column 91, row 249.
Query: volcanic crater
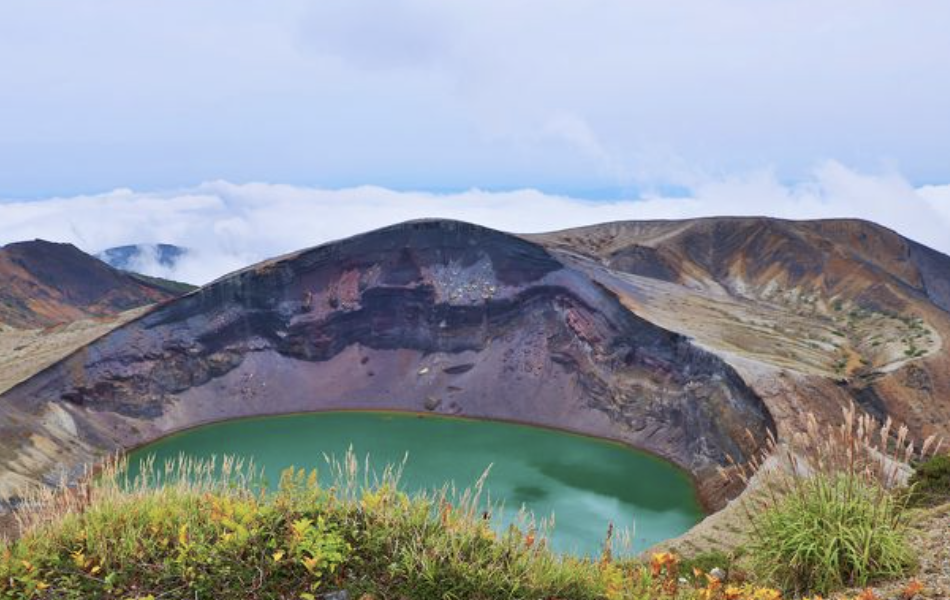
column 689, row 339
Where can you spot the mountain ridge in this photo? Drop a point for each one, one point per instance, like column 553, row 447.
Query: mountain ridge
column 850, row 309
column 673, row 338
column 47, row 283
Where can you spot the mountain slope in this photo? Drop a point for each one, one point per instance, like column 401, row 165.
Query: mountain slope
column 755, row 256
column 44, row 284
column 677, row 337
column 812, row 313
column 55, row 299
column 433, row 316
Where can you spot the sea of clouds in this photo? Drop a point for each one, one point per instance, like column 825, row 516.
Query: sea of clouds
column 228, row 226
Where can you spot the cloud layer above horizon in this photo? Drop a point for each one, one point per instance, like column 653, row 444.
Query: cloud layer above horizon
column 567, row 96
column 229, row 226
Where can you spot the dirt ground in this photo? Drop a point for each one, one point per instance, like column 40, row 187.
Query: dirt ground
column 930, row 542
column 24, row 352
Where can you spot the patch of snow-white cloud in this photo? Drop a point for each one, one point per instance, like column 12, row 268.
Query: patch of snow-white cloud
column 228, row 226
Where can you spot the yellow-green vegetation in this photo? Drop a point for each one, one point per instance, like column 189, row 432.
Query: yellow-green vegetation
column 200, row 531
column 831, row 532
column 930, row 484
column 835, row 513
column 205, row 530
column 197, row 530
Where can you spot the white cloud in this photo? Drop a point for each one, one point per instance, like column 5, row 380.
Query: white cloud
column 578, row 133
column 232, row 225
column 379, row 34
column 429, row 94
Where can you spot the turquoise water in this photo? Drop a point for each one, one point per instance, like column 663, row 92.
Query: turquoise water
column 584, row 482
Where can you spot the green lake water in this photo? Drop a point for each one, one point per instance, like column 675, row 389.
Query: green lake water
column 584, row 482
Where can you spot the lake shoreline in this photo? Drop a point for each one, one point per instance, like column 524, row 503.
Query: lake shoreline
column 707, row 504
column 588, row 483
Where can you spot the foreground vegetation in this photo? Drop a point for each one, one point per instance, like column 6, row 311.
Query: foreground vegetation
column 198, row 530
column 206, row 530
column 831, row 511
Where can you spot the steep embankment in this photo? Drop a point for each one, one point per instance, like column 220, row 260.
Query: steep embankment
column 427, row 316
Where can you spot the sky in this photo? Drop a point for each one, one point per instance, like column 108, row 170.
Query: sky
column 278, row 123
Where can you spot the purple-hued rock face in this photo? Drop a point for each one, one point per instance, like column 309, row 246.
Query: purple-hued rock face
column 432, row 316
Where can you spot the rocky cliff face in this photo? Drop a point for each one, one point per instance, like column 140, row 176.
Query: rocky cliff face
column 432, row 316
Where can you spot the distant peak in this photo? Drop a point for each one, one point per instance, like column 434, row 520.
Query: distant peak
column 140, row 257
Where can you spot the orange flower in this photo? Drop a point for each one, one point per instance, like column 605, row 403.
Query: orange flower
column 529, row 539
column 867, row 594
column 662, row 560
column 911, row 590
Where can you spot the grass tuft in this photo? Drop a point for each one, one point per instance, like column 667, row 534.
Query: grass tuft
column 831, row 532
column 207, row 530
column 828, row 508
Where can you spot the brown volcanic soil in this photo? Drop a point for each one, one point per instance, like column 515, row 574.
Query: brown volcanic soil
column 812, row 314
column 55, row 299
column 46, row 284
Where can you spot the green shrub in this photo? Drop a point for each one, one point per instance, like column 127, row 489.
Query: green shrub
column 209, row 532
column 930, row 483
column 830, row 511
column 831, row 532
column 205, row 545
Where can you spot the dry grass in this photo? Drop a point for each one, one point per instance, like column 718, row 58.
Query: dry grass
column 828, row 509
column 205, row 529
column 859, row 447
